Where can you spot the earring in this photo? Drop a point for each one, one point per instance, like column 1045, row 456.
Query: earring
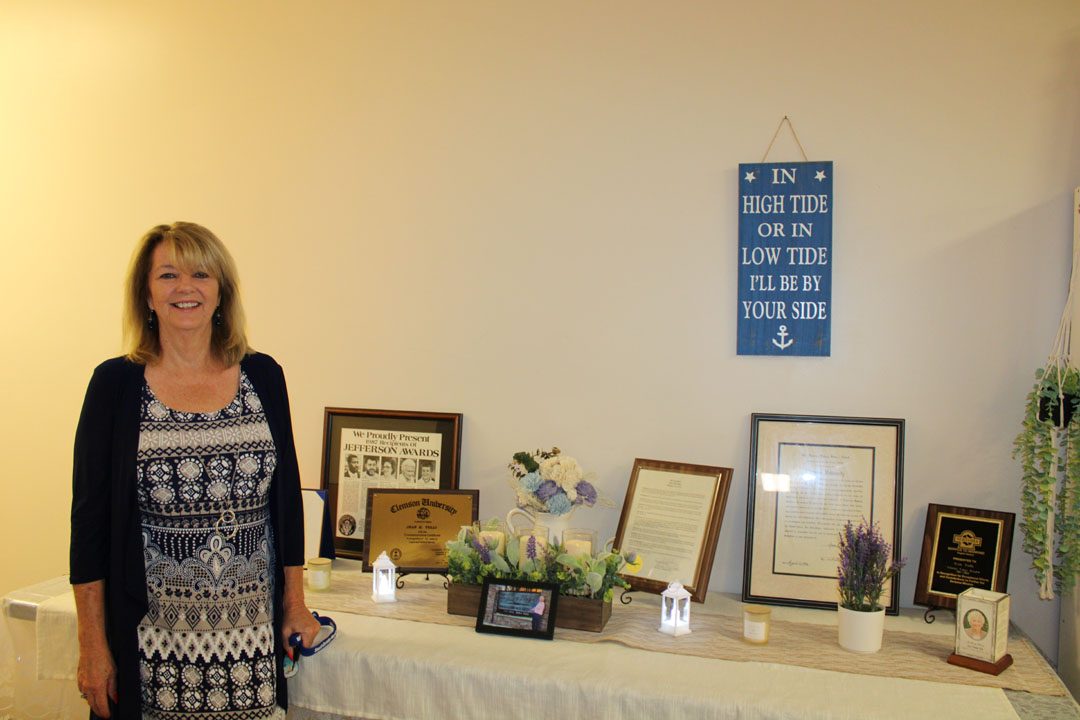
column 151, row 320
column 217, row 319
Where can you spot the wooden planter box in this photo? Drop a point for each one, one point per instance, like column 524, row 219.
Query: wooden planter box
column 573, row 613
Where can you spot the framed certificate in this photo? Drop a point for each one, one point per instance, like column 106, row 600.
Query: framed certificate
column 808, row 476
column 672, row 516
column 413, row 526
column 963, row 548
column 364, row 449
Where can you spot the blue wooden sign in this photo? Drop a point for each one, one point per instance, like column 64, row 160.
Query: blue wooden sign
column 785, row 258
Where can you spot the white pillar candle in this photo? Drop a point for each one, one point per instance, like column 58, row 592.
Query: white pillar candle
column 523, row 544
column 577, row 548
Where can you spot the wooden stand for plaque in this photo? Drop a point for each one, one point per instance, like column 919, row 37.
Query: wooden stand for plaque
column 573, row 613
column 981, row 665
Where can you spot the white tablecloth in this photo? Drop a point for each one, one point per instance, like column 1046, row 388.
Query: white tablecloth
column 381, row 669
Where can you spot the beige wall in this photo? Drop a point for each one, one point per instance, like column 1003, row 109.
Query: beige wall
column 526, row 212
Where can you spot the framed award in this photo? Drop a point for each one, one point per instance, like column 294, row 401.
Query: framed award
column 963, row 548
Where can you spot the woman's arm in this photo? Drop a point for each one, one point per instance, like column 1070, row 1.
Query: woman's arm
column 97, row 671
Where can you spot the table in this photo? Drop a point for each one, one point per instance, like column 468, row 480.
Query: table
column 384, row 668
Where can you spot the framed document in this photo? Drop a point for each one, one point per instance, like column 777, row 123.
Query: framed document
column 963, row 548
column 364, row 449
column 672, row 516
column 518, row 607
column 808, row 476
column 413, row 526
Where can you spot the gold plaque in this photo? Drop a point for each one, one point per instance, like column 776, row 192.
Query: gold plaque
column 413, row 526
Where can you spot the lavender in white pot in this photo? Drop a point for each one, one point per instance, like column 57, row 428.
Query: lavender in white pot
column 865, row 566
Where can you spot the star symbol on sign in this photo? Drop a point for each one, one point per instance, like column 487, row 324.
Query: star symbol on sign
column 820, row 175
column 750, row 177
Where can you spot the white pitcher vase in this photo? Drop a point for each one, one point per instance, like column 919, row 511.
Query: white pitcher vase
column 555, row 524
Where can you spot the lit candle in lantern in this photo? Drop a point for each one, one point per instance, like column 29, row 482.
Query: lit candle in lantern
column 383, row 582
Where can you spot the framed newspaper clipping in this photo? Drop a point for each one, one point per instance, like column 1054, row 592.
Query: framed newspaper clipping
column 364, row 449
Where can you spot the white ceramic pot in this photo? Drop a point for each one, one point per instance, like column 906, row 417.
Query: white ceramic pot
column 861, row 631
column 555, row 524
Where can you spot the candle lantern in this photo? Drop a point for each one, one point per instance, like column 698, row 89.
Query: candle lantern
column 675, row 610
column 384, row 581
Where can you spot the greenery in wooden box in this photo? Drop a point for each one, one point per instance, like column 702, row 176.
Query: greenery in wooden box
column 471, row 561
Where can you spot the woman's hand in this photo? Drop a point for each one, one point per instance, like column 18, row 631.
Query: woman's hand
column 97, row 678
column 97, row 671
column 297, row 619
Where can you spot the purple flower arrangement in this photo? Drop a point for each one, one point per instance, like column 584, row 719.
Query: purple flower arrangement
column 865, row 566
column 546, row 481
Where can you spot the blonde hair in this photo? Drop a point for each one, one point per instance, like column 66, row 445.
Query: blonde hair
column 193, row 247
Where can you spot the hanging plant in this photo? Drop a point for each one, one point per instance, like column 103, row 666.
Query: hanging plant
column 1048, row 448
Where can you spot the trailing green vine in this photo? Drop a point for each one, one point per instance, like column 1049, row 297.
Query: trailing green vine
column 1050, row 482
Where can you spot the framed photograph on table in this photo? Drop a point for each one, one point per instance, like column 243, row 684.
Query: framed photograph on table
column 963, row 548
column 671, row 517
column 518, row 607
column 364, row 449
column 809, row 475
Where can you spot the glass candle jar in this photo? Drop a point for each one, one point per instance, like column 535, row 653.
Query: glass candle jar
column 318, row 573
column 756, row 621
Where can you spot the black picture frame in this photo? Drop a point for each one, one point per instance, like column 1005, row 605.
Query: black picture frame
column 832, row 465
column 432, row 440
column 503, row 608
column 959, row 542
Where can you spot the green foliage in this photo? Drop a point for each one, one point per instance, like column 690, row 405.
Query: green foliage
column 590, row 576
column 1050, row 483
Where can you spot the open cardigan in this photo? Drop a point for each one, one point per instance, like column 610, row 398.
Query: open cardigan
column 106, row 538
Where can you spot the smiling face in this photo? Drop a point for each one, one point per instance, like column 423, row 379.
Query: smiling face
column 977, row 622
column 184, row 300
column 408, row 469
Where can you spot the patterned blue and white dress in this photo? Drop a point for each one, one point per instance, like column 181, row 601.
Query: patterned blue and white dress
column 207, row 641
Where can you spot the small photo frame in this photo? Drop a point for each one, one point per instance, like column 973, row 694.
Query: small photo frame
column 671, row 517
column 963, row 547
column 365, row 449
column 982, row 631
column 518, row 607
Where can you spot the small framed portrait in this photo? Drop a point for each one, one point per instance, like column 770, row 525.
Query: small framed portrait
column 982, row 631
column 518, row 607
column 379, row 449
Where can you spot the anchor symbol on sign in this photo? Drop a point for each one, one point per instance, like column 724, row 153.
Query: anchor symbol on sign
column 784, row 343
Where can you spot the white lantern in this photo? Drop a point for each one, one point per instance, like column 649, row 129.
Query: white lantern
column 384, row 582
column 675, row 610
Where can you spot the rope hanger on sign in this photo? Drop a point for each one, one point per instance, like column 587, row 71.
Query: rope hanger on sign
column 793, row 134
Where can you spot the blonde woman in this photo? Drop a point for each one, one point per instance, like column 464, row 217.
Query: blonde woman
column 186, row 521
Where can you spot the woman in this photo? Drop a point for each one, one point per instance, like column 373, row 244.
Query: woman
column 186, row 524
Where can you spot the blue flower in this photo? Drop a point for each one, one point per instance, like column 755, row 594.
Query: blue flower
column 559, row 504
column 546, row 490
column 586, row 493
column 530, row 481
column 530, row 548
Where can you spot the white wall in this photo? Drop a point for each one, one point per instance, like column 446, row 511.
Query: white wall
column 527, row 213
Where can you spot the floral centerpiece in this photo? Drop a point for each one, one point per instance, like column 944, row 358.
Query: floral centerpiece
column 864, row 567
column 470, row 561
column 549, row 482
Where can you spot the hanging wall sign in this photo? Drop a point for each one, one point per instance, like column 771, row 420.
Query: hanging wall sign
column 785, row 258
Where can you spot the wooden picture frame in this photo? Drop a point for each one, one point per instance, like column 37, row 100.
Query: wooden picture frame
column 406, row 449
column 413, row 526
column 672, row 516
column 962, row 548
column 505, row 607
column 809, row 474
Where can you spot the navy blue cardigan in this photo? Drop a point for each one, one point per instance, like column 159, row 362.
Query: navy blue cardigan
column 106, row 538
